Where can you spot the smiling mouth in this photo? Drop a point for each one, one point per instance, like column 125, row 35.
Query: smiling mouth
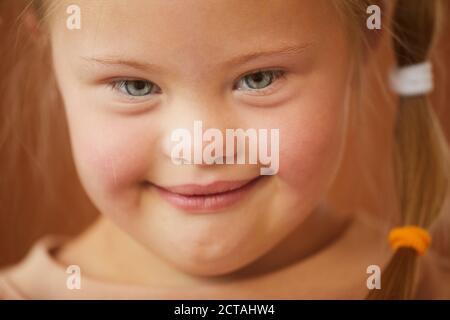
column 207, row 198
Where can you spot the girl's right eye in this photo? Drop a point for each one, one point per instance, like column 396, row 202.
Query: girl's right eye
column 135, row 88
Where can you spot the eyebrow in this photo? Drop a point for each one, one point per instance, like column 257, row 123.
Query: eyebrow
column 121, row 61
column 286, row 50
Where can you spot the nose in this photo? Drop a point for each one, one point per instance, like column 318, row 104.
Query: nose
column 198, row 133
column 198, row 144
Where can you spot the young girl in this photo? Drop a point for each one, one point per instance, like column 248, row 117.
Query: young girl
column 130, row 73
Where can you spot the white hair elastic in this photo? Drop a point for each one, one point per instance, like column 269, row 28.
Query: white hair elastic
column 412, row 80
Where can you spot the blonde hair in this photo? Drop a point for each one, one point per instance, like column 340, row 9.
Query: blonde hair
column 36, row 138
column 421, row 153
column 421, row 158
column 37, row 174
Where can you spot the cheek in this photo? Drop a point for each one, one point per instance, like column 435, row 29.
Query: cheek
column 115, row 162
column 313, row 142
column 311, row 157
column 112, row 157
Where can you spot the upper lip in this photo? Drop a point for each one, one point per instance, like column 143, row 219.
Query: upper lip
column 207, row 189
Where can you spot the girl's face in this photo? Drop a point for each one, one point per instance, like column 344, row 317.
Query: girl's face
column 188, row 60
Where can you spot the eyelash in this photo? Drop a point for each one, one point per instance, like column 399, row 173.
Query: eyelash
column 277, row 74
column 118, row 85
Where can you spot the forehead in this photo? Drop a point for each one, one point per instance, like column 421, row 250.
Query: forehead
column 204, row 29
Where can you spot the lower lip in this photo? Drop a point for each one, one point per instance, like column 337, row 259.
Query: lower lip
column 207, row 203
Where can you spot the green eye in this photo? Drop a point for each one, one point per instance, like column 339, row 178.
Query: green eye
column 260, row 80
column 135, row 88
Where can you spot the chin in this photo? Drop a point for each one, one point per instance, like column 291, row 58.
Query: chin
column 208, row 266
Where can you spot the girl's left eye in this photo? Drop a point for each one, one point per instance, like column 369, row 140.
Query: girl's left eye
column 134, row 88
column 258, row 81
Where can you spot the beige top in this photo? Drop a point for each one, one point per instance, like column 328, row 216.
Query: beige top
column 40, row 276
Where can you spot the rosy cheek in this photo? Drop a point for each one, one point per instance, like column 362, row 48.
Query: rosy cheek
column 311, row 146
column 305, row 160
column 115, row 160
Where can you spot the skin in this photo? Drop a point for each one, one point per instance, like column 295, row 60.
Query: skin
column 119, row 142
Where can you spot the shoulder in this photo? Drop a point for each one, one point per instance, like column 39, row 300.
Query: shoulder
column 8, row 290
column 24, row 280
column 434, row 277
